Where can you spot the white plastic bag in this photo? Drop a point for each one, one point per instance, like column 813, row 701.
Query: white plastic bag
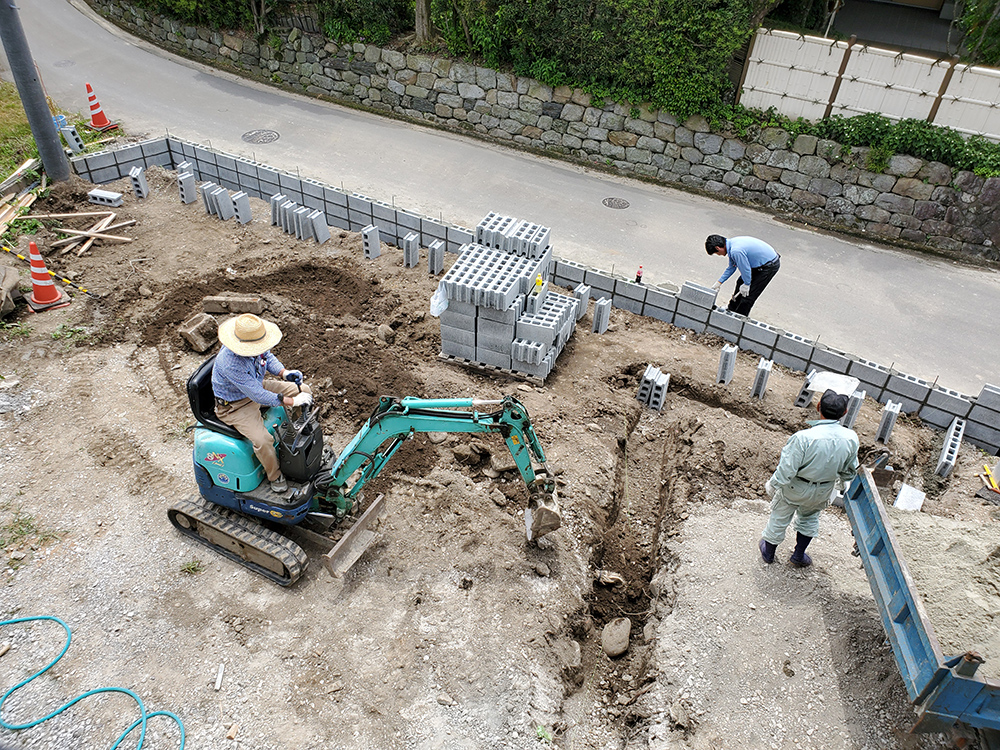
column 439, row 301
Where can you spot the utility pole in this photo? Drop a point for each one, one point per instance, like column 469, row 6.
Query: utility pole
column 32, row 96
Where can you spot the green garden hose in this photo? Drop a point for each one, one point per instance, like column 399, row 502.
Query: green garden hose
column 142, row 708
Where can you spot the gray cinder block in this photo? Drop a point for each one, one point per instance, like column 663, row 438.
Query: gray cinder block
column 371, row 244
column 207, row 188
column 187, row 188
column 582, row 295
column 277, row 201
column 853, row 409
column 435, row 257
column 602, row 315
column 889, row 415
column 949, row 452
column 759, row 387
column 699, row 295
column 73, row 139
column 727, row 364
column 104, row 197
column 320, row 229
column 223, row 203
column 241, row 204
column 411, row 250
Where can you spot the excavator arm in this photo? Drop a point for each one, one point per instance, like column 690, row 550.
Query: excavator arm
column 394, row 420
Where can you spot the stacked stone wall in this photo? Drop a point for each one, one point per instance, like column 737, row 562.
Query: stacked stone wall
column 912, row 201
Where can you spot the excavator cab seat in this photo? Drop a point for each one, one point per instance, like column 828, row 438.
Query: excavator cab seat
column 202, row 400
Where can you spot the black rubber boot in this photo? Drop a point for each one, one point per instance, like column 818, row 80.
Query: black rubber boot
column 799, row 556
column 767, row 551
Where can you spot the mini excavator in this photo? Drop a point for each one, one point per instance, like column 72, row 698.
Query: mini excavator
column 239, row 516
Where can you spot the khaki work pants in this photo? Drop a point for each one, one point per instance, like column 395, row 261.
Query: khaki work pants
column 245, row 416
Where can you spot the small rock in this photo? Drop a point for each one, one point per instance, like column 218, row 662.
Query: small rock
column 542, row 570
column 446, row 700
column 145, row 291
column 385, row 334
column 614, row 637
column 18, row 555
column 8, row 384
column 437, row 437
column 525, row 388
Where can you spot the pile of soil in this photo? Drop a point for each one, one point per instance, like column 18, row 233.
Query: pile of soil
column 452, row 631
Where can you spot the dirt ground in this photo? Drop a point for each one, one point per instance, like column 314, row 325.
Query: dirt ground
column 452, row 631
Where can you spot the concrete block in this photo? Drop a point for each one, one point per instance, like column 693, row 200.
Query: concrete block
column 105, row 197
column 727, row 364
column 694, row 312
column 656, row 313
column 187, row 188
column 602, row 285
column 456, row 318
column 787, row 360
column 458, row 335
column 241, row 204
column 804, row 399
column 530, row 352
column 223, row 203
column 935, row 417
column 334, row 196
column 889, row 415
column 383, row 213
column 630, row 290
column 277, row 201
column 627, row 303
column 541, row 370
column 582, row 295
column 455, row 349
column 853, row 409
column 659, row 301
column 411, row 250
column 508, row 316
column 722, row 320
column 646, row 384
column 492, row 357
column 567, row 273
column 989, row 397
column 955, row 403
column 909, row 387
column 406, row 219
column 759, row 388
column 869, row 373
column 232, row 304
column 431, row 229
column 699, row 295
column 200, row 331
column 683, row 322
column 73, row 139
column 796, row 346
column 435, row 257
column 320, row 229
column 312, row 189
column 108, row 174
column 759, row 333
column 830, row 360
column 985, row 436
column 949, row 451
column 497, row 330
column 906, row 405
column 370, row 242
column 128, row 154
column 602, row 315
column 100, row 160
column 658, row 395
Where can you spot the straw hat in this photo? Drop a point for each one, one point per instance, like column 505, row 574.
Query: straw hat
column 248, row 335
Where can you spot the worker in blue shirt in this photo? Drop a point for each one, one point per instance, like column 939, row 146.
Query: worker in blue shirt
column 240, row 388
column 756, row 261
column 814, row 462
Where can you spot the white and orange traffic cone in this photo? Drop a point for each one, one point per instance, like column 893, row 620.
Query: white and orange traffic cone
column 98, row 120
column 44, row 293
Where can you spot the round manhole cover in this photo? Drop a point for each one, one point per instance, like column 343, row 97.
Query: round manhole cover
column 615, row 202
column 260, row 136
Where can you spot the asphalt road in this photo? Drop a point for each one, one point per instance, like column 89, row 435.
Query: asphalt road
column 934, row 319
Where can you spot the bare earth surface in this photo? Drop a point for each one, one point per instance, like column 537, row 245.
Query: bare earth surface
column 452, row 631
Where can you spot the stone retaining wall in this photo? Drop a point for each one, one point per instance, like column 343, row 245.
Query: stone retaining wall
column 912, row 201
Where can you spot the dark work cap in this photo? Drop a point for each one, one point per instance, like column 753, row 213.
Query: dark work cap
column 833, row 405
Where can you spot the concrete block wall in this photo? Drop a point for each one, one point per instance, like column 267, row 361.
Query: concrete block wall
column 688, row 306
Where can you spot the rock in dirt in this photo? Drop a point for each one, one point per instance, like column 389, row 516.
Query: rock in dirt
column 385, row 334
column 614, row 637
column 465, row 454
column 570, row 662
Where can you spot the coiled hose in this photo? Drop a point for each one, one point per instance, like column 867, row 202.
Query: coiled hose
column 142, row 708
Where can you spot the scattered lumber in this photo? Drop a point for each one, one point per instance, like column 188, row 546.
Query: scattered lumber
column 18, row 175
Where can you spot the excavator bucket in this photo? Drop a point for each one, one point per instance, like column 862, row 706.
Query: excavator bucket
column 542, row 515
column 354, row 543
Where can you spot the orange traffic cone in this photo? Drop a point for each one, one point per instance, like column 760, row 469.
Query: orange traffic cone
column 44, row 294
column 98, row 120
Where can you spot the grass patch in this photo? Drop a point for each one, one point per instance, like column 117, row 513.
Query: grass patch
column 69, row 333
column 19, row 529
column 16, row 142
column 193, row 567
column 14, row 331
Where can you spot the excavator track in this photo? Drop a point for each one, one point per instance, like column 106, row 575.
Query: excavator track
column 241, row 539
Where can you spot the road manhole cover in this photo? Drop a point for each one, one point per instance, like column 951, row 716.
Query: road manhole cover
column 63, row 64
column 615, row 202
column 260, row 136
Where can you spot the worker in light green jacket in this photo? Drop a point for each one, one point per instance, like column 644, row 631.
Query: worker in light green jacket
column 814, row 462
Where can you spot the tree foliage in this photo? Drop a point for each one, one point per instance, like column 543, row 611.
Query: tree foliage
column 981, row 23
column 372, row 21
column 227, row 14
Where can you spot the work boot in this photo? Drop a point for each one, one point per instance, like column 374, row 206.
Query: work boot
column 799, row 556
column 279, row 485
column 767, row 551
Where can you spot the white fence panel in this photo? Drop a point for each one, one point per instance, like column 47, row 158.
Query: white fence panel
column 971, row 103
column 797, row 74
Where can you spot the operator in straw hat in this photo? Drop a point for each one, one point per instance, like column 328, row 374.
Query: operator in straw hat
column 240, row 388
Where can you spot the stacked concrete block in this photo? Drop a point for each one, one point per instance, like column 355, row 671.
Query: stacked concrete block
column 411, row 250
column 660, row 304
column 830, row 360
column 458, row 330
column 566, row 273
column 943, row 405
column 277, row 201
column 759, row 387
column 872, row 375
column 291, row 185
column 494, row 341
column 694, row 307
column 528, row 352
column 435, row 257
column 458, row 237
column 760, row 338
column 371, row 242
column 208, row 198
column 853, row 409
column 727, row 364
column 983, row 425
column 140, row 186
column 187, row 188
column 521, row 238
column 303, row 227
column 488, row 277
column 105, row 197
column 602, row 315
column 320, row 229
column 73, row 139
column 653, row 388
column 890, row 412
column 223, row 203
column 548, row 324
column 582, row 294
column 335, row 206
column 287, row 216
column 949, row 452
column 793, row 351
column 725, row 324
column 241, row 204
column 629, row 296
column 907, row 390
column 494, row 231
column 534, row 300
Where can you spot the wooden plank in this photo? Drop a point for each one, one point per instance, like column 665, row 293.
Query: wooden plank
column 68, row 216
column 89, row 233
column 96, row 227
column 104, row 224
